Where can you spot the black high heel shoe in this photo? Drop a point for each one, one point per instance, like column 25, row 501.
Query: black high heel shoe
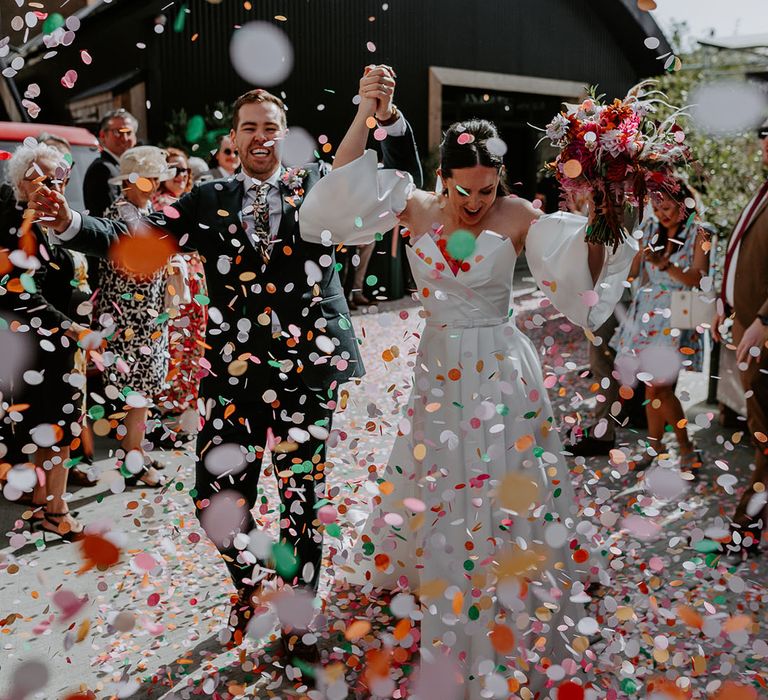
column 138, row 479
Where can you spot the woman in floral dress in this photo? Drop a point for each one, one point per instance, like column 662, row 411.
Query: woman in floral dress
column 674, row 256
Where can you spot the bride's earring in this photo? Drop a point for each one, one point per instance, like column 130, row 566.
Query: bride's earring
column 439, row 185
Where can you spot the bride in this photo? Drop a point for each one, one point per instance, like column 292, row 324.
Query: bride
column 476, row 516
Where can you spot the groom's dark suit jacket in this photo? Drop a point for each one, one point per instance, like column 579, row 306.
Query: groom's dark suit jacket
column 300, row 284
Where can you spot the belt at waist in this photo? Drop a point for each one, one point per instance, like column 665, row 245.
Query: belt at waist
column 468, row 322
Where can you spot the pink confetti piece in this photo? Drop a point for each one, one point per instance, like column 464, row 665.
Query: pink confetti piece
column 380, row 134
column 85, row 57
column 590, row 298
column 371, row 46
column 69, row 79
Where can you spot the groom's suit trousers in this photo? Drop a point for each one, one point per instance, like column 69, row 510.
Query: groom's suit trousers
column 300, row 474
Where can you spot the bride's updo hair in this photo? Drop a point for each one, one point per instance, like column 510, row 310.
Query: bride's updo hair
column 459, row 151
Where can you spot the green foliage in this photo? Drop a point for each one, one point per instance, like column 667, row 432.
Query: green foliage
column 727, row 169
column 181, row 131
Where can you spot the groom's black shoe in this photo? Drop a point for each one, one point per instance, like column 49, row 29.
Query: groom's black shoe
column 590, row 447
column 245, row 606
column 305, row 657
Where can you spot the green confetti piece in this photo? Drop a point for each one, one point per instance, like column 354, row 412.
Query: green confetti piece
column 344, row 324
column 96, row 412
column 557, row 492
column 502, row 409
column 461, row 244
column 379, row 237
column 469, row 565
column 181, row 18
column 202, row 299
column 333, row 530
column 286, row 562
column 358, row 222
column 28, row 282
column 371, row 280
column 462, row 190
column 538, row 451
column 195, row 128
column 162, row 318
column 338, row 267
column 368, row 548
column 706, row 546
column 473, row 613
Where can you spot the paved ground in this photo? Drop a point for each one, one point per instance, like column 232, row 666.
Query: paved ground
column 147, row 627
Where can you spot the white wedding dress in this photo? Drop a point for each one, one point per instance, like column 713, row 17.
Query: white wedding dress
column 475, row 512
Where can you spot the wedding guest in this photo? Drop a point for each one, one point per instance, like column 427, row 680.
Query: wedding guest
column 674, row 256
column 129, row 307
column 82, row 447
column 117, row 133
column 200, row 170
column 744, row 298
column 187, row 326
column 48, row 414
column 225, row 160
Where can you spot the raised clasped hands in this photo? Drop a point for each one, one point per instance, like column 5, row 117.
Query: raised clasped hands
column 377, row 89
column 51, row 209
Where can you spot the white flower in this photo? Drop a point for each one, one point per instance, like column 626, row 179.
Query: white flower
column 557, row 128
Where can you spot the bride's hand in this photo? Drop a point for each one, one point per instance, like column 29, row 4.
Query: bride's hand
column 377, row 86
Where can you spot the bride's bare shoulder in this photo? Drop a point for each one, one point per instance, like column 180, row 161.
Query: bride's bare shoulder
column 519, row 209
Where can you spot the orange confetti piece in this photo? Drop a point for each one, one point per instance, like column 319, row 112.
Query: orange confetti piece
column 142, row 254
column 381, row 561
column 502, row 639
column 524, row 443
column 229, row 410
column 761, row 437
column 689, row 616
column 402, row 629
column 357, row 629
column 457, row 603
column 99, row 552
column 386, row 487
column 730, row 690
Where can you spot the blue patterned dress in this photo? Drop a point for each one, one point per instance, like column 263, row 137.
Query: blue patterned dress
column 647, row 321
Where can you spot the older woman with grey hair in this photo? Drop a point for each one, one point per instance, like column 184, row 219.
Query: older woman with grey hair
column 42, row 405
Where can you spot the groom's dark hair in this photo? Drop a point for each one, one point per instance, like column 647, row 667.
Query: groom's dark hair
column 257, row 95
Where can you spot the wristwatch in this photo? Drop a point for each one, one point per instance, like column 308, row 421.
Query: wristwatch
column 392, row 117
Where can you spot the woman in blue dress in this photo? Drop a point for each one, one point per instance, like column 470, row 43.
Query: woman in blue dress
column 674, row 256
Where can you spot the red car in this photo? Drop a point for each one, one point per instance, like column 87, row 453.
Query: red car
column 85, row 147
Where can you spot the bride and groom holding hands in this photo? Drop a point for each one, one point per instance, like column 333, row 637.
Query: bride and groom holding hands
column 475, row 514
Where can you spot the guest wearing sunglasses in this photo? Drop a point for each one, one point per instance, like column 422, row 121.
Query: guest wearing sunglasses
column 225, row 161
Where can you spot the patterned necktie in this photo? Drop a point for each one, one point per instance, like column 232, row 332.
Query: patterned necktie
column 259, row 232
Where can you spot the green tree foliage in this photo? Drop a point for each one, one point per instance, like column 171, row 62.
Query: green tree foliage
column 727, row 169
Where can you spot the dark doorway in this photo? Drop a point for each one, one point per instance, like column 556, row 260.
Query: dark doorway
column 512, row 112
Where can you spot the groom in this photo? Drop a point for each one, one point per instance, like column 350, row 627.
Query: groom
column 279, row 338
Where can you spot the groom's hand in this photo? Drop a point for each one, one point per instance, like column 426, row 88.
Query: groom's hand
column 378, row 84
column 51, row 209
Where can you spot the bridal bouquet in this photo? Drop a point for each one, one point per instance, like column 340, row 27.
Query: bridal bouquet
column 617, row 155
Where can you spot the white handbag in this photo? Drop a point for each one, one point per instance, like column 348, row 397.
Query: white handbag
column 690, row 309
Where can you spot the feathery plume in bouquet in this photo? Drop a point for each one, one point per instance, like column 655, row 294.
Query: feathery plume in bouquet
column 617, row 155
